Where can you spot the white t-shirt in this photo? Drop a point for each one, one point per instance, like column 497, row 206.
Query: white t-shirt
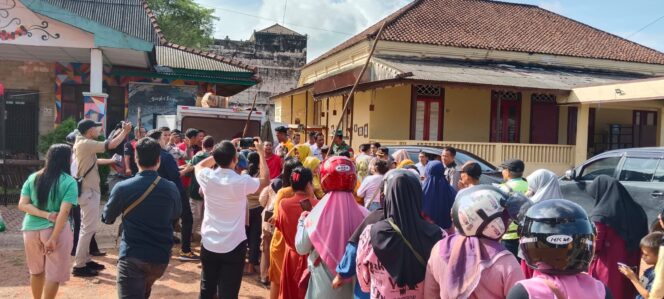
column 421, row 168
column 315, row 151
column 368, row 189
column 225, row 193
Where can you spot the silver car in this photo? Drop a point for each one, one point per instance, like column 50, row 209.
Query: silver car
column 640, row 170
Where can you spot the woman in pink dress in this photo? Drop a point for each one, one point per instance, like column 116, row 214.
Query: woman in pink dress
column 621, row 223
column 392, row 253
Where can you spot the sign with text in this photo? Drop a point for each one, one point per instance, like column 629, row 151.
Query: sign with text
column 157, row 99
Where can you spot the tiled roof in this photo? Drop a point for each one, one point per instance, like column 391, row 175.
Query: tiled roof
column 182, row 59
column 493, row 25
column 127, row 16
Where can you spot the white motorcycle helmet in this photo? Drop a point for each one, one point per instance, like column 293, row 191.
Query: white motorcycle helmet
column 485, row 211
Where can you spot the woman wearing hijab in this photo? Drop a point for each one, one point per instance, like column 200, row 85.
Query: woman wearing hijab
column 277, row 245
column 267, row 199
column 438, row 196
column 301, row 152
column 290, row 210
column 543, row 184
column 621, row 223
column 323, row 233
column 347, row 268
column 313, row 164
column 472, row 263
column 392, row 254
column 400, row 156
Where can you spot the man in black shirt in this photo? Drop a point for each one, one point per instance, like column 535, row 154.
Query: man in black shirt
column 147, row 236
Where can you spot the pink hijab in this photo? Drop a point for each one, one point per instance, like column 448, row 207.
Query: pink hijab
column 332, row 221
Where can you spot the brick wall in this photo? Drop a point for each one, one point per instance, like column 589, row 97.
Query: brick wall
column 33, row 76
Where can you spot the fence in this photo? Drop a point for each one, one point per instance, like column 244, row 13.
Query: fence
column 12, row 175
column 556, row 158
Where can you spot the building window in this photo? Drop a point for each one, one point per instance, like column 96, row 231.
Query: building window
column 427, row 118
column 505, row 116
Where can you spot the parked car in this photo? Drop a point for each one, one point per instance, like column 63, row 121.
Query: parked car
column 490, row 174
column 640, row 170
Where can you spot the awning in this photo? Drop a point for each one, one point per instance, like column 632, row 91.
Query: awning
column 491, row 74
column 625, row 91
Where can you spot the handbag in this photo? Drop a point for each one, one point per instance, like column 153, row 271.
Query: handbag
column 133, row 205
column 79, row 180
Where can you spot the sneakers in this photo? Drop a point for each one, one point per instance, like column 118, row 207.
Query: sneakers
column 95, row 266
column 84, row 272
column 188, row 257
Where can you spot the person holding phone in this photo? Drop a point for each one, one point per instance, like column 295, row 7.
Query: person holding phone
column 290, row 210
column 224, row 239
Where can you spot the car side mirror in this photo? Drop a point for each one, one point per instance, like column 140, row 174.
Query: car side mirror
column 570, row 175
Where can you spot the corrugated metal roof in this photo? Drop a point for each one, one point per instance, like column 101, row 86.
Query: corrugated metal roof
column 127, row 16
column 175, row 58
column 492, row 74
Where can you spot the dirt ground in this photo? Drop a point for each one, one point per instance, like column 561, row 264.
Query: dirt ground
column 181, row 280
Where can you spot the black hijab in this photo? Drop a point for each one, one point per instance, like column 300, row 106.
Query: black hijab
column 403, row 203
column 615, row 207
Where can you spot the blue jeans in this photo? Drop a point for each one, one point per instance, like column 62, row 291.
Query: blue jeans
column 136, row 277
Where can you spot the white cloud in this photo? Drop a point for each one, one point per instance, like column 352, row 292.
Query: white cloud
column 327, row 22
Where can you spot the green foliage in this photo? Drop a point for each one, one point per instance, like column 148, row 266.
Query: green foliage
column 185, row 22
column 56, row 136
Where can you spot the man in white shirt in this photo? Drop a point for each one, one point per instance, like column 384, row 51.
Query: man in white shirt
column 224, row 240
column 422, row 164
column 312, row 141
column 370, row 187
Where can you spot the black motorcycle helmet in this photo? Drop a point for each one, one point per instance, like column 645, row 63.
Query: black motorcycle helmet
column 557, row 237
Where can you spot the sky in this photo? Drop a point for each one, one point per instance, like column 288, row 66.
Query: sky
column 330, row 22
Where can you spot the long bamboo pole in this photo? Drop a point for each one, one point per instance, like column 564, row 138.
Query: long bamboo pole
column 357, row 80
column 246, row 124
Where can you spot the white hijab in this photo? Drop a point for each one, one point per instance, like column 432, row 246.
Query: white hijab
column 544, row 184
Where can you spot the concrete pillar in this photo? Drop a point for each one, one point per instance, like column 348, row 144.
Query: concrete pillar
column 581, row 148
column 660, row 128
column 96, row 71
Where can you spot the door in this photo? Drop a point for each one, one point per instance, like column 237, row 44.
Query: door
column 572, row 114
column 21, row 129
column 543, row 119
column 115, row 107
column 427, row 116
column 505, row 116
column 72, row 101
column 645, row 128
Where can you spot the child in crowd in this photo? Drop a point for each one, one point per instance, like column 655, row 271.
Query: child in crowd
column 649, row 251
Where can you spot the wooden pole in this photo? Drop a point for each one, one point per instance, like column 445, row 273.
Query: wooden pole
column 357, row 81
column 246, row 124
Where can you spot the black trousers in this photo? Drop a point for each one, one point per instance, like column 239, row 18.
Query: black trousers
column 75, row 216
column 136, row 277
column 254, row 235
column 187, row 224
column 221, row 273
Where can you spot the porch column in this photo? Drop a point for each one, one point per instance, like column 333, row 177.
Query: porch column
column 96, row 71
column 94, row 102
column 581, row 148
column 660, row 135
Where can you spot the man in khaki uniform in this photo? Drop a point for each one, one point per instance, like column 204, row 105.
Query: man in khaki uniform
column 86, row 149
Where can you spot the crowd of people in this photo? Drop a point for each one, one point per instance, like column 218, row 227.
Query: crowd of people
column 316, row 221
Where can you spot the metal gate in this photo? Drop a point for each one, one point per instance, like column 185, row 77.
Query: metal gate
column 20, row 124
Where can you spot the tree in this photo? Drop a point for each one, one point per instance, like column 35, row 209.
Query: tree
column 184, row 22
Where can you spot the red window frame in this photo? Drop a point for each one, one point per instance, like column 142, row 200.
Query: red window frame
column 495, row 97
column 415, row 98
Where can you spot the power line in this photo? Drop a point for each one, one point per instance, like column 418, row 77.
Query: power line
column 283, row 19
column 277, row 21
column 646, row 26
